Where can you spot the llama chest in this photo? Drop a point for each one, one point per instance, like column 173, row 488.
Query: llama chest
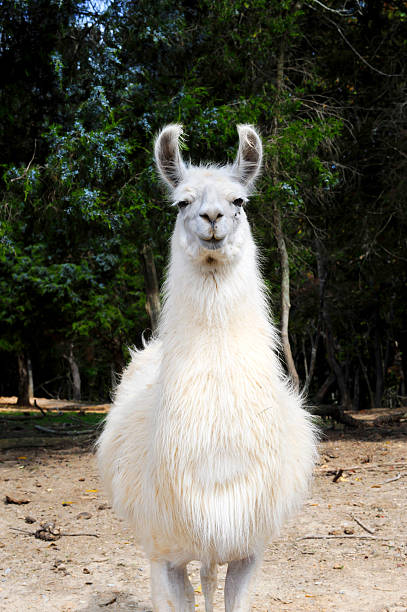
column 217, row 455
column 216, row 427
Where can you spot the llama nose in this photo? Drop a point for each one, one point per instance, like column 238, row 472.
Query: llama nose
column 211, row 216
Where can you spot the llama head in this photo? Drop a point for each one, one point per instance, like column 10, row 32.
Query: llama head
column 211, row 224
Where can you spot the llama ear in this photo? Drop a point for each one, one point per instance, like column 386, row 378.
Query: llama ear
column 167, row 154
column 248, row 159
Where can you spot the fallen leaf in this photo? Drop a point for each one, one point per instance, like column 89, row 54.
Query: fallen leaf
column 48, row 533
column 12, row 500
column 91, row 490
column 338, row 567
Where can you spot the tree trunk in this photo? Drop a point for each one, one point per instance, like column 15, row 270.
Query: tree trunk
column 30, row 379
column 314, row 343
column 282, row 249
column 325, row 387
column 153, row 305
column 367, row 381
column 304, row 354
column 329, row 337
column 75, row 373
column 379, row 366
column 285, row 296
column 402, row 346
column 356, row 390
column 23, row 380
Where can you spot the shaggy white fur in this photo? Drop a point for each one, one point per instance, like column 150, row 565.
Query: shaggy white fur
column 207, row 448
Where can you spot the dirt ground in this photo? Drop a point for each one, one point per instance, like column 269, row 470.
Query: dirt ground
column 345, row 551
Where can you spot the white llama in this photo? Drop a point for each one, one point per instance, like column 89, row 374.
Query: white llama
column 207, row 449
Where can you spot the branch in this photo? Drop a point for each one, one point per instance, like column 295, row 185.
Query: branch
column 337, row 413
column 64, row 433
column 360, row 56
column 340, row 537
column 24, row 174
column 342, row 12
column 365, row 527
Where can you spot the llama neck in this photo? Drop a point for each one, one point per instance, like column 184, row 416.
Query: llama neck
column 215, row 299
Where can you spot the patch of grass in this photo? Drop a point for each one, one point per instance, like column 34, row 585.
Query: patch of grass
column 23, row 423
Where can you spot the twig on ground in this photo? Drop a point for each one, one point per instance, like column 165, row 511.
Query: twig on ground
column 336, row 537
column 363, row 466
column 64, row 433
column 108, row 603
column 365, row 527
column 337, row 475
column 74, row 535
column 36, row 405
column 400, row 475
column 56, row 535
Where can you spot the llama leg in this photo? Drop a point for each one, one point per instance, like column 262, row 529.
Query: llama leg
column 209, row 582
column 171, row 589
column 237, row 585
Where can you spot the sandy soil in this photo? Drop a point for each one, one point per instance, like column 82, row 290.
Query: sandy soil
column 348, row 569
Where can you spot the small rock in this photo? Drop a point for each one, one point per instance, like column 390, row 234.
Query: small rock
column 30, row 520
column 84, row 515
column 104, row 507
column 85, row 570
column 108, row 602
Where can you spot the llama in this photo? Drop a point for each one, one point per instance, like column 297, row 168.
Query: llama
column 207, row 449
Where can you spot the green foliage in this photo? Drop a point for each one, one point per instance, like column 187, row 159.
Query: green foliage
column 87, row 91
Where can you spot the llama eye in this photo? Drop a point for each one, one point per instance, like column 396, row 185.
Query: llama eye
column 238, row 202
column 182, row 204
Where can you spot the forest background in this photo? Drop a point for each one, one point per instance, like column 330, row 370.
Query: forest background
column 85, row 86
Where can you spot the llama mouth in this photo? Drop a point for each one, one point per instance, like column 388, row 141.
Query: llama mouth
column 212, row 243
